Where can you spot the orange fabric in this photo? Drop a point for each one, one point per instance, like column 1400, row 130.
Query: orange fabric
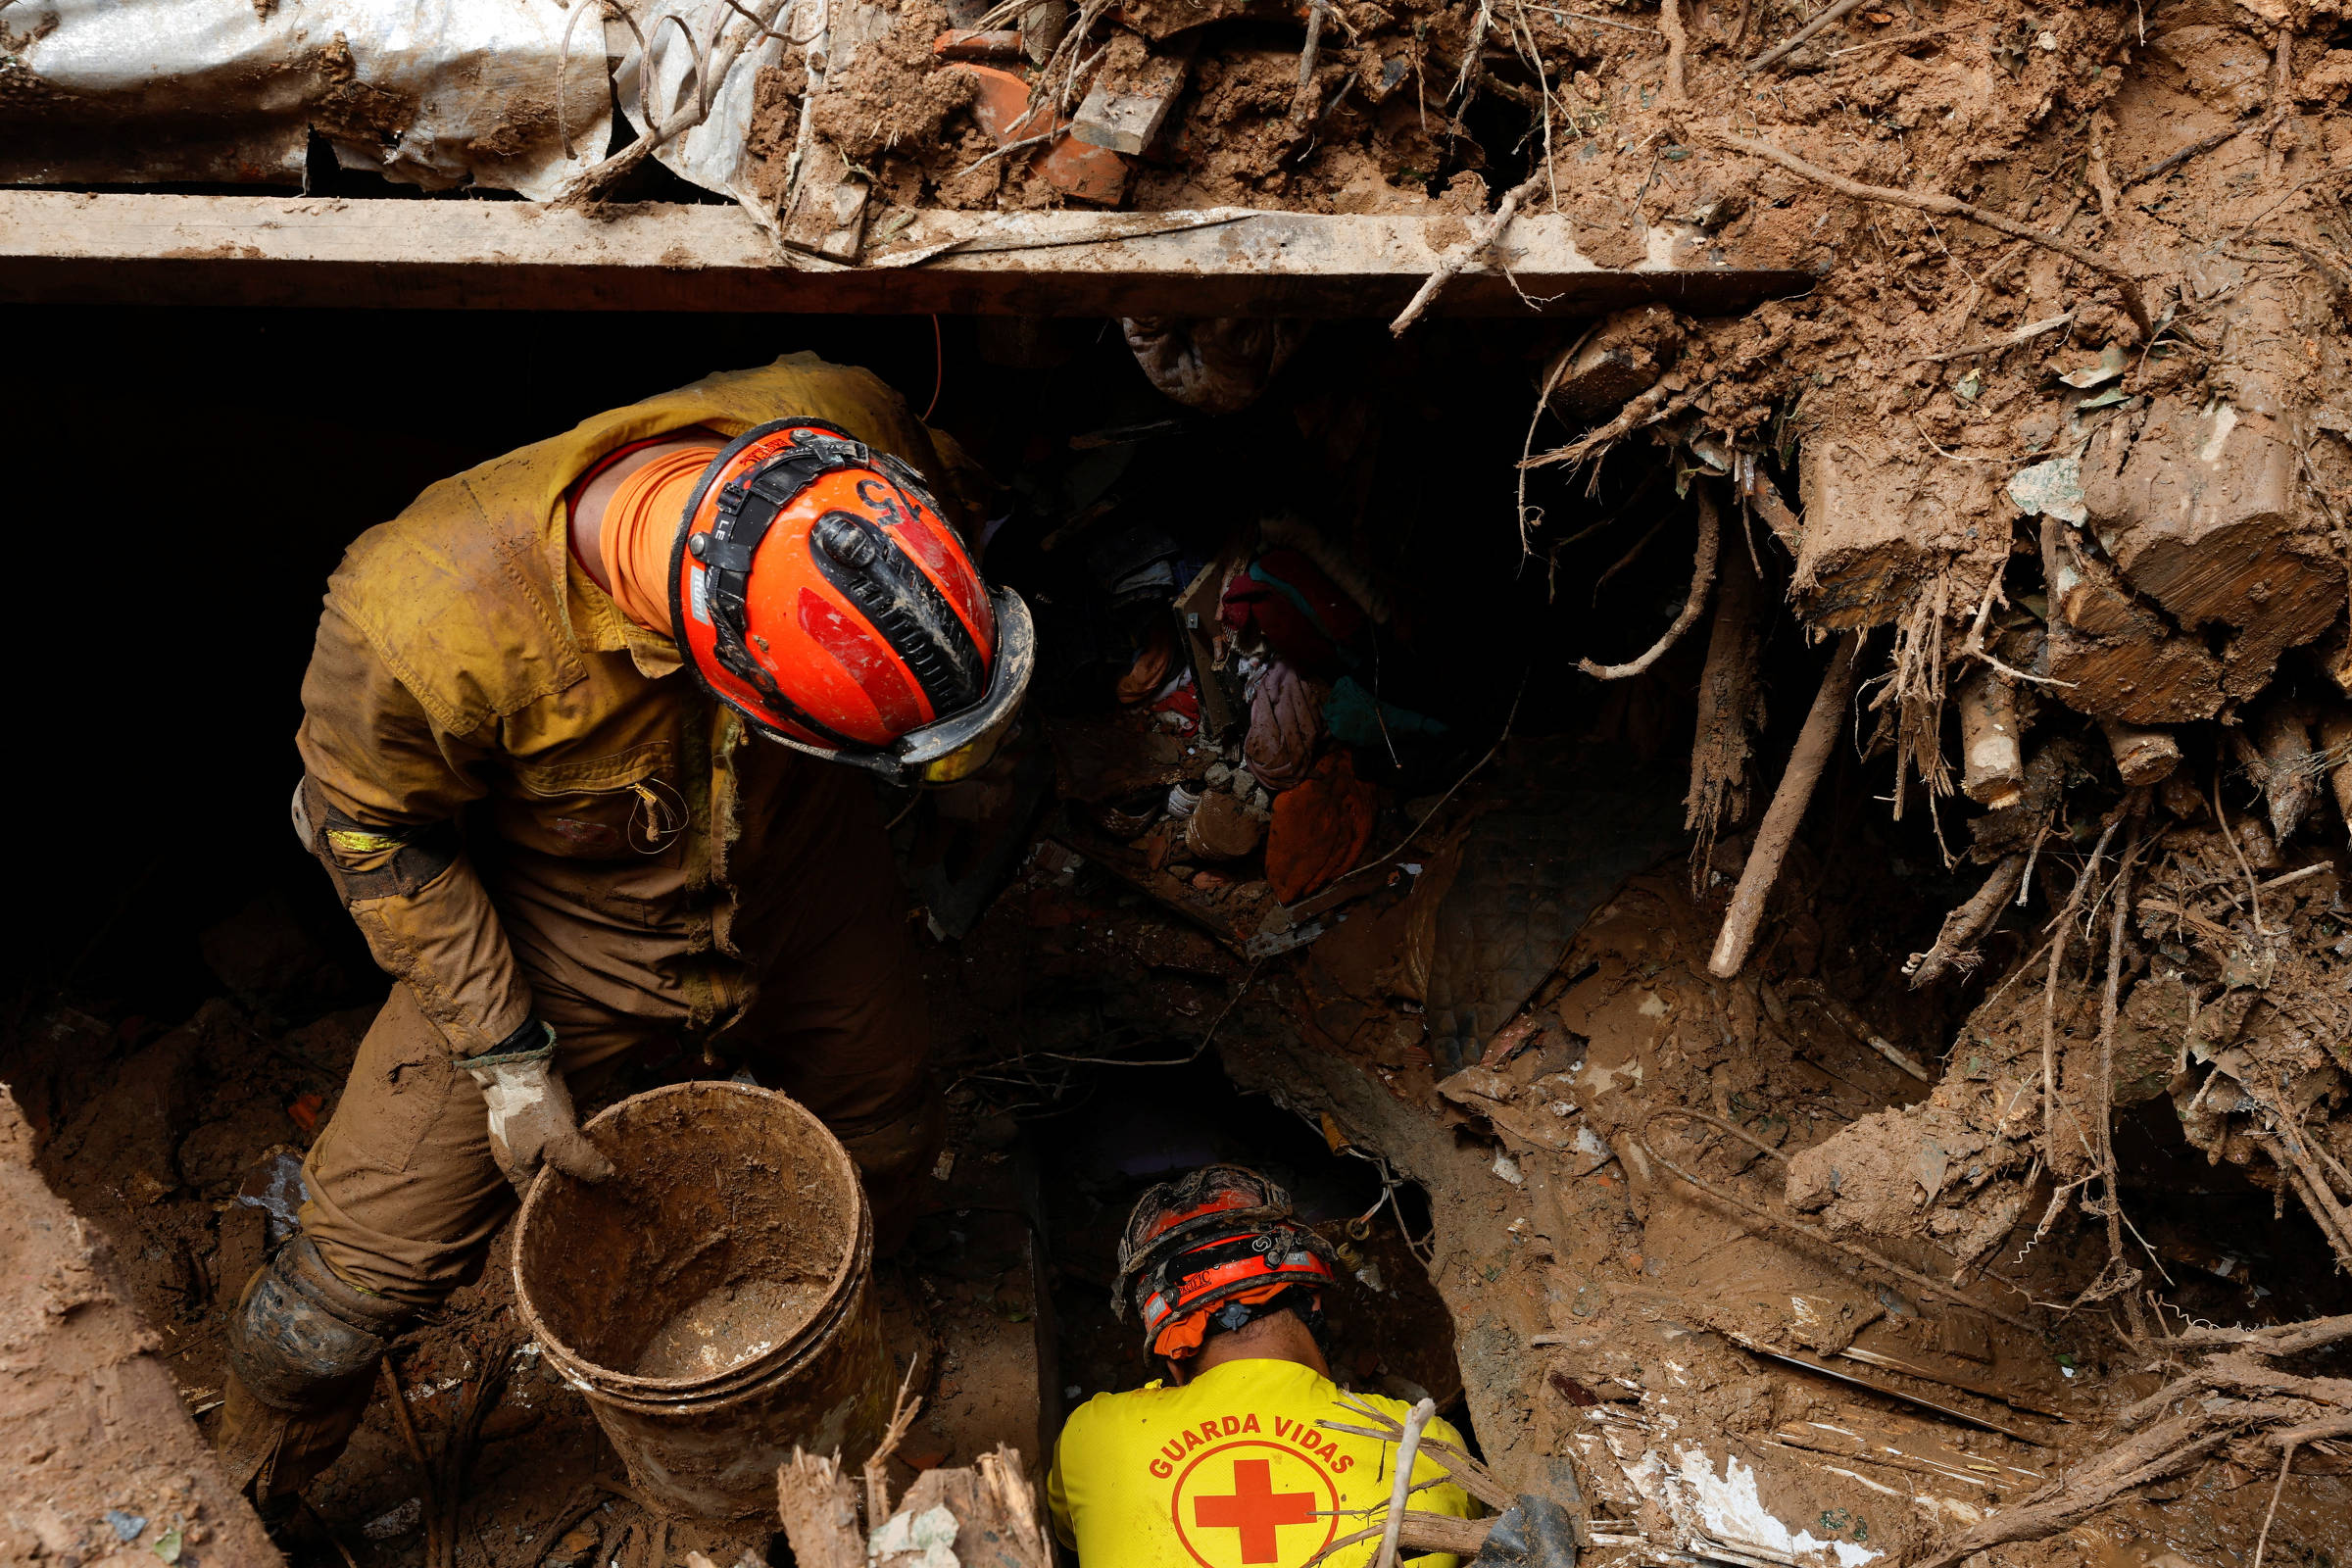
column 639, row 526
column 1183, row 1336
column 1319, row 828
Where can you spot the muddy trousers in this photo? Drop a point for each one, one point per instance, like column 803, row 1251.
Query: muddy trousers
column 404, row 1196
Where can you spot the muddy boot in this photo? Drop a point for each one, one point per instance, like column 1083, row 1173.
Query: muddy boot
column 895, row 1161
column 302, row 1350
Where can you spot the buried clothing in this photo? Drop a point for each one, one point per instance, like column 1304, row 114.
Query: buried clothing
column 1231, row 1469
column 537, row 817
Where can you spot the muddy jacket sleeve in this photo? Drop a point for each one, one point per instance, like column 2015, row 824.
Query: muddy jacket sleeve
column 382, row 789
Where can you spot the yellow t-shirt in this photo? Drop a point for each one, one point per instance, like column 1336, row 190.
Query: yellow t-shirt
column 1231, row 1470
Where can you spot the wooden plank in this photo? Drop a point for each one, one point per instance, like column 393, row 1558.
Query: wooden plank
column 63, row 247
column 1125, row 119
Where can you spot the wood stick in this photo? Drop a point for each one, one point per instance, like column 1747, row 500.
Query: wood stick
column 592, row 182
column 2049, row 999
column 2103, row 1122
column 877, row 1468
column 2142, row 756
column 2079, row 1502
column 1853, row 1023
column 2195, row 149
column 1407, row 1446
column 1789, row 45
column 1488, row 230
column 1789, row 801
column 2282, row 1338
column 407, row 1423
column 1993, row 762
column 1703, row 578
column 1953, row 207
column 1934, row 1287
column 2023, row 334
column 1903, row 39
column 1669, row 23
column 1723, row 739
column 1963, row 926
column 1303, row 102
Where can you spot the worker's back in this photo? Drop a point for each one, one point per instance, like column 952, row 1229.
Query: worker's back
column 1231, row 1469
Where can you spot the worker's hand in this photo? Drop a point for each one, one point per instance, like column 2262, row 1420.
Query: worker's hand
column 532, row 1120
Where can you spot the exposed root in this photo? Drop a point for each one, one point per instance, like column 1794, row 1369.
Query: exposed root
column 1662, row 402
column 1703, row 578
column 715, row 57
column 1790, row 45
column 1955, row 942
column 1789, row 801
column 1953, row 207
column 1731, row 710
column 1669, row 23
column 2228, row 1396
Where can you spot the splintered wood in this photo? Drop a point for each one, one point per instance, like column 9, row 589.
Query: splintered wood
column 995, row 1507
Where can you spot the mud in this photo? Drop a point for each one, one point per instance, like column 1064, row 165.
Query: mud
column 728, row 1325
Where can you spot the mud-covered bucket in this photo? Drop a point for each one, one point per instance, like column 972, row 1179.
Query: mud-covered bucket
column 713, row 1299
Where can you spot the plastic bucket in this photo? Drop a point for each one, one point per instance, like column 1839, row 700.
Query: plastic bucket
column 714, row 1299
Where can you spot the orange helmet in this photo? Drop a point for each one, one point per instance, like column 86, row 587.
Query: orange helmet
column 1222, row 1241
column 815, row 589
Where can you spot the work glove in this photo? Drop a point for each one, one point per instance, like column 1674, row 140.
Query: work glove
column 532, row 1119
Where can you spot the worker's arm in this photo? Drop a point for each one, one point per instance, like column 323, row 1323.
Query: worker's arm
column 382, row 790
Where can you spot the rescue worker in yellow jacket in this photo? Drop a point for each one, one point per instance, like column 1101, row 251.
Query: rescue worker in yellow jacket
column 589, row 738
column 1226, row 1463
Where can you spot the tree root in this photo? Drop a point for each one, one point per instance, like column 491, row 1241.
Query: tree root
column 2231, row 1396
column 1955, row 942
column 1729, row 713
column 1788, row 808
column 1789, row 45
column 1669, row 23
column 1703, row 578
column 1662, row 402
column 1953, row 207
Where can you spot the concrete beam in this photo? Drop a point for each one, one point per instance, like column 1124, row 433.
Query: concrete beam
column 65, row 247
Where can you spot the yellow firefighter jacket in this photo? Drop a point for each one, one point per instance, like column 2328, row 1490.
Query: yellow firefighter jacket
column 484, row 731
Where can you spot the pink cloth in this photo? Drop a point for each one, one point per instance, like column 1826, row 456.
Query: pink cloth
column 1286, row 720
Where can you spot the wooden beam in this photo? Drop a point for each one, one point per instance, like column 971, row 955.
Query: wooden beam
column 63, row 247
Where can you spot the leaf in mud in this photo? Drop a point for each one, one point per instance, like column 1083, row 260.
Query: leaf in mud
column 1969, row 387
column 167, row 1546
column 2101, row 400
column 2050, row 489
column 2112, row 363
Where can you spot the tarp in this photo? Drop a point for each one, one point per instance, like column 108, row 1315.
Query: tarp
column 715, row 154
column 433, row 93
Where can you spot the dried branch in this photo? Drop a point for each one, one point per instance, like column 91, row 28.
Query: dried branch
column 1789, row 45
column 1483, row 235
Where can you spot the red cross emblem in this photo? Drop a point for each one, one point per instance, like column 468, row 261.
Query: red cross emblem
column 1270, row 1487
column 1256, row 1509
